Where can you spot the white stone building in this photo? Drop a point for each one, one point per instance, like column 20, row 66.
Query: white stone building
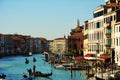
column 117, row 43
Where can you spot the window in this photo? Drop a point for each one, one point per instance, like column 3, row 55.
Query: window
column 119, row 28
column 110, row 18
column 86, row 36
column 98, row 14
column 114, row 17
column 116, row 29
column 116, row 41
column 98, row 24
column 104, row 20
column 119, row 41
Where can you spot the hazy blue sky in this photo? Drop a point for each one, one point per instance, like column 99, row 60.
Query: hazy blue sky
column 44, row 18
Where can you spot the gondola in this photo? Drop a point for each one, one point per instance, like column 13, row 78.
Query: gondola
column 2, row 76
column 39, row 74
column 28, row 78
column 97, row 78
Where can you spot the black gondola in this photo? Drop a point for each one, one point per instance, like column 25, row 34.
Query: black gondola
column 39, row 74
column 97, row 78
column 2, row 76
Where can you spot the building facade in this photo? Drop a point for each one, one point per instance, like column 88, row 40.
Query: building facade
column 6, row 45
column 117, row 43
column 75, row 40
column 51, row 46
column 58, row 45
column 99, row 32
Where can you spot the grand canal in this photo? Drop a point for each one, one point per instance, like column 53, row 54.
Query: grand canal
column 14, row 66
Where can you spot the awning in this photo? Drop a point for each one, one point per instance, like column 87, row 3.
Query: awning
column 104, row 57
column 79, row 58
column 90, row 56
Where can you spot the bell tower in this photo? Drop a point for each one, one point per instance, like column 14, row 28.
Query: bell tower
column 78, row 23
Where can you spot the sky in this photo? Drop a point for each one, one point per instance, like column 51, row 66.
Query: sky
column 44, row 18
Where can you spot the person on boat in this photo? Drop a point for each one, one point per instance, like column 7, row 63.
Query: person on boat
column 34, row 60
column 26, row 61
column 30, row 72
column 34, row 68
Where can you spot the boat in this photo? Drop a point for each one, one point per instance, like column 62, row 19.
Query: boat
column 2, row 76
column 101, row 76
column 30, row 53
column 40, row 74
column 90, row 75
column 28, row 78
column 59, row 66
column 75, row 68
column 98, row 78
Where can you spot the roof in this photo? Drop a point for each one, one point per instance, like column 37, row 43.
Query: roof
column 42, row 38
column 112, row 5
column 50, row 40
column 60, row 39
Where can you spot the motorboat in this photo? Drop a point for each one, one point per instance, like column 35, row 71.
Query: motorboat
column 59, row 66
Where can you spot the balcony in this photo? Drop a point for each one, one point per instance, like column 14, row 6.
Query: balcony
column 108, row 43
column 108, row 33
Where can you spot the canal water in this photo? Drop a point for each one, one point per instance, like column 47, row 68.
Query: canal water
column 14, row 66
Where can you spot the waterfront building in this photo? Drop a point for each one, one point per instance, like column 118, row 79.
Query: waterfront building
column 99, row 37
column 51, row 46
column 110, row 19
column 58, row 45
column 44, row 45
column 36, row 45
column 1, row 44
column 85, row 43
column 117, row 43
column 6, row 45
column 75, row 40
column 93, row 30
column 21, row 44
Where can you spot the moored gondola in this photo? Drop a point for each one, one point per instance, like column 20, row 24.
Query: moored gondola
column 2, row 76
column 40, row 74
column 97, row 78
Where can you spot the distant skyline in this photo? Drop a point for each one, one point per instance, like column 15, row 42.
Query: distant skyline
column 44, row 18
